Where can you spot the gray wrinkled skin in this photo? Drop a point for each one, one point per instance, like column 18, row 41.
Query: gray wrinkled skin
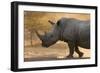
column 74, row 32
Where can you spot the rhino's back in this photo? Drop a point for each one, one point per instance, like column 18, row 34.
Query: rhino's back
column 76, row 30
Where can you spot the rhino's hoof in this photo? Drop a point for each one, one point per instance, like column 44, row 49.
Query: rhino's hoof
column 69, row 56
column 80, row 54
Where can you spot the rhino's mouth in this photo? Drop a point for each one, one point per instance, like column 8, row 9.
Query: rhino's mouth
column 47, row 44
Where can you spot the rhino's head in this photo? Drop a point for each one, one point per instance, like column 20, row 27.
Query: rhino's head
column 49, row 38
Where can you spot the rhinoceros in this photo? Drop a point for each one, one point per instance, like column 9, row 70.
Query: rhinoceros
column 70, row 30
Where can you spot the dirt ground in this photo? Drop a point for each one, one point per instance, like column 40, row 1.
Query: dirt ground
column 58, row 51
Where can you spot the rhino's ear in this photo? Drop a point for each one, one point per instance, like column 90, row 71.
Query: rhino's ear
column 51, row 22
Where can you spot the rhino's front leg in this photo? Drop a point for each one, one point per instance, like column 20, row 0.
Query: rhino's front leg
column 71, row 49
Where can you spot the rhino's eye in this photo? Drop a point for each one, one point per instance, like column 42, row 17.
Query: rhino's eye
column 51, row 36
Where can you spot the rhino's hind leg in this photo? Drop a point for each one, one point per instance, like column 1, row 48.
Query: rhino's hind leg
column 78, row 51
column 71, row 49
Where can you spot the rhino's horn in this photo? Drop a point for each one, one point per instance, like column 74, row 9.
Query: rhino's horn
column 39, row 35
column 51, row 22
